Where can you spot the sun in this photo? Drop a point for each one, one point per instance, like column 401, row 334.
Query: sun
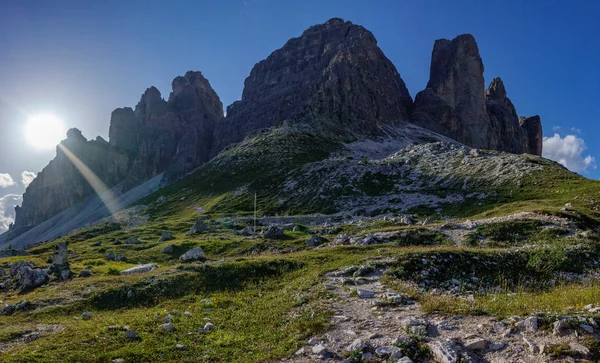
column 44, row 131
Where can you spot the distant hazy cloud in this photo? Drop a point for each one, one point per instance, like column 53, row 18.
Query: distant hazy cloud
column 569, row 152
column 556, row 128
column 7, row 210
column 6, row 180
column 27, row 177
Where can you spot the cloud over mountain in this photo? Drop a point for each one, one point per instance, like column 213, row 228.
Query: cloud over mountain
column 569, row 151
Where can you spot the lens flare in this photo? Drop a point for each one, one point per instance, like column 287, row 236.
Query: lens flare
column 44, row 131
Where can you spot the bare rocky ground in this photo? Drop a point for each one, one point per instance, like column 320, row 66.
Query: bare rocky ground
column 366, row 319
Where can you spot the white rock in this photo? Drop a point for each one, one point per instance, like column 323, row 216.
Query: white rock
column 300, row 351
column 87, row 315
column 140, row 269
column 533, row 347
column 357, row 344
column 443, row 352
column 404, row 360
column 579, row 348
column 385, row 351
column 209, row 326
column 365, row 294
column 320, row 350
column 195, row 254
column 530, row 324
column 313, row 341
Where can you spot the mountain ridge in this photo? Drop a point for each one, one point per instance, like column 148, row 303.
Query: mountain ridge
column 333, row 79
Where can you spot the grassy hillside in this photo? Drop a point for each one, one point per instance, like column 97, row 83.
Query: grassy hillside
column 266, row 297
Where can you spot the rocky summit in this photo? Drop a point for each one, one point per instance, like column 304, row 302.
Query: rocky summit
column 333, row 80
column 325, row 218
column 456, row 104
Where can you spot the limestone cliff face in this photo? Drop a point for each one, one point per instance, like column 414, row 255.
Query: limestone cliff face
column 456, row 104
column 157, row 136
column 333, row 77
column 61, row 185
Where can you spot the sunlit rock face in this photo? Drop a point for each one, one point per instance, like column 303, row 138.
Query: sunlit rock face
column 157, row 136
column 61, row 185
column 333, row 77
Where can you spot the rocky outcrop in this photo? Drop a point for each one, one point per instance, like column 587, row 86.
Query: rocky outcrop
column 157, row 136
column 533, row 125
column 456, row 105
column 333, row 77
column 60, row 262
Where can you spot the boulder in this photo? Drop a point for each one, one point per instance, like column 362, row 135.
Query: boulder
column 315, row 241
column 195, row 254
column 273, row 232
column 132, row 241
column 165, row 236
column 60, row 262
column 139, row 269
column 198, row 227
column 443, row 351
column 169, row 249
column 85, row 273
column 29, row 278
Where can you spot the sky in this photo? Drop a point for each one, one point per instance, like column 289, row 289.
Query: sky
column 79, row 60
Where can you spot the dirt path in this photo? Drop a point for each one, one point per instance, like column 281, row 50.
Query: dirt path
column 470, row 339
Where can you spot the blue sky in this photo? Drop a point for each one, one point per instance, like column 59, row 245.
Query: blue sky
column 82, row 59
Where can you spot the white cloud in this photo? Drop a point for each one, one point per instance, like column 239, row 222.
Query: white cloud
column 576, row 130
column 6, row 180
column 556, row 128
column 569, row 152
column 27, row 177
column 7, row 210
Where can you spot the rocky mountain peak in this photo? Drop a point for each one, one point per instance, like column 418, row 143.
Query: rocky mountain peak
column 151, row 105
column 456, row 105
column 333, row 77
column 496, row 90
column 193, row 91
column 75, row 134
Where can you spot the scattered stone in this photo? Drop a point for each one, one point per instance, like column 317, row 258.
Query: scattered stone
column 387, row 350
column 315, row 241
column 300, row 351
column 579, row 348
column 87, row 315
column 60, row 262
column 85, row 273
column 27, row 276
column 139, row 269
column 496, row 346
column 443, row 352
column 403, row 359
column 130, row 334
column 365, row 294
column 169, row 249
column 132, row 241
column 273, row 232
column 246, row 231
column 320, row 350
column 209, row 327
column 533, row 347
column 313, row 341
column 167, row 327
column 181, row 347
column 587, row 328
column 111, row 256
column 357, row 344
column 530, row 324
column 198, row 227
column 118, row 360
column 476, row 344
column 195, row 254
column 165, row 236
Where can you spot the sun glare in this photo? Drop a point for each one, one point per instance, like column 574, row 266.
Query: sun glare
column 44, row 131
